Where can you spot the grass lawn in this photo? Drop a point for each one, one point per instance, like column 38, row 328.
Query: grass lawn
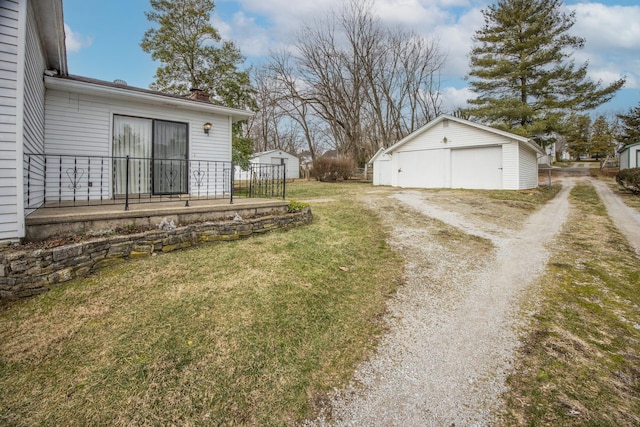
column 248, row 332
column 254, row 332
column 580, row 360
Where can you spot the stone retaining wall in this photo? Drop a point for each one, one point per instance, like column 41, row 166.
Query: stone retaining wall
column 25, row 273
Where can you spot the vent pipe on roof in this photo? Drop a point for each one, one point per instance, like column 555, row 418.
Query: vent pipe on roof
column 119, row 82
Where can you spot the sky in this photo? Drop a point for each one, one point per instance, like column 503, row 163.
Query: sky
column 103, row 37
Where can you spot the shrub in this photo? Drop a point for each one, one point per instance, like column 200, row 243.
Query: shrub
column 629, row 179
column 330, row 169
column 296, row 206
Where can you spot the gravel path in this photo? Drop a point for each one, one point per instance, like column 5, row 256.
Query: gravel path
column 453, row 326
column 626, row 219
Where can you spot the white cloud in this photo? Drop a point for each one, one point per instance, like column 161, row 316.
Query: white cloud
column 75, row 41
column 454, row 98
column 612, row 34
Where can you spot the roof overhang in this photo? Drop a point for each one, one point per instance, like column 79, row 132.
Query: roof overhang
column 129, row 93
column 623, row 148
column 443, row 117
column 50, row 20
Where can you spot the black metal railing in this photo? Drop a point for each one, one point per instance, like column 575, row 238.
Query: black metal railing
column 66, row 180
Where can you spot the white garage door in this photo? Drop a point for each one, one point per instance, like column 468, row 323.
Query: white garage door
column 421, row 169
column 479, row 168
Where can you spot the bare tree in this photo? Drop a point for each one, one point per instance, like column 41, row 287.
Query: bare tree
column 365, row 84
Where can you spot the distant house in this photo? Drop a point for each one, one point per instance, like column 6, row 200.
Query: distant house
column 61, row 134
column 630, row 156
column 450, row 152
column 279, row 157
column 330, row 153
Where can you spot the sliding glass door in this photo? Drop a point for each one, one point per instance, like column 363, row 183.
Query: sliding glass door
column 132, row 136
column 170, row 166
column 158, row 156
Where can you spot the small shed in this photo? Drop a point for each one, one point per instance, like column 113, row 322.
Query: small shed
column 630, row 156
column 450, row 152
column 279, row 157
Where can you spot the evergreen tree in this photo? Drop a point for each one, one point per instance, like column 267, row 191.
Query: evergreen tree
column 577, row 132
column 630, row 126
column 522, row 71
column 193, row 55
column 602, row 140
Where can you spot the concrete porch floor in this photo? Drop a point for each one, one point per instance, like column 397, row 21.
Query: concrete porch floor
column 59, row 222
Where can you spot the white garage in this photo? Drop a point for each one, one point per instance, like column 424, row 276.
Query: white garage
column 629, row 156
column 449, row 152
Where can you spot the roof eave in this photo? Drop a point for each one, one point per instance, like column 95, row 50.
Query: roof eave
column 155, row 98
column 50, row 19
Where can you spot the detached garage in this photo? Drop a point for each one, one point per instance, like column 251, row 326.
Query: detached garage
column 449, row 152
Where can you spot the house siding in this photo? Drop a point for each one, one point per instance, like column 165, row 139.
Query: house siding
column 528, row 167
column 11, row 24
column 81, row 125
column 34, row 94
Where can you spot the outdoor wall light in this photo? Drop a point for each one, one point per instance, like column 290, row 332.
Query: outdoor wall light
column 206, row 127
column 444, row 140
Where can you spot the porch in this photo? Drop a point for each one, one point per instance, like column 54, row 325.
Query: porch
column 96, row 220
column 96, row 195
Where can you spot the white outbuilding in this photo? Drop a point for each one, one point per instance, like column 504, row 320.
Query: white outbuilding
column 630, row 156
column 450, row 152
column 279, row 157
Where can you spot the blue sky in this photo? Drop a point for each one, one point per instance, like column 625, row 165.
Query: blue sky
column 103, row 37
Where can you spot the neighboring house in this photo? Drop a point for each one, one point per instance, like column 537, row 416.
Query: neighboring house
column 449, row 152
column 58, row 130
column 331, row 154
column 630, row 156
column 279, row 157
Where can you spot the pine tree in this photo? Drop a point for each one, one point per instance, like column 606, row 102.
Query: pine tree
column 602, row 140
column 522, row 70
column 577, row 132
column 630, row 126
column 193, row 55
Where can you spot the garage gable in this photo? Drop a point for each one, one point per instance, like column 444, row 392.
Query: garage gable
column 450, row 152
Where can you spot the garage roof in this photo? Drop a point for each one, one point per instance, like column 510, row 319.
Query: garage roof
column 442, row 117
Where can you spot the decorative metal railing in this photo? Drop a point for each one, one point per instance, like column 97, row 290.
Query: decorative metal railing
column 65, row 180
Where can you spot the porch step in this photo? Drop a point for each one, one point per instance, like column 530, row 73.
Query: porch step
column 47, row 223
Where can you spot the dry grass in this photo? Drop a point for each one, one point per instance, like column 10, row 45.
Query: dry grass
column 244, row 333
column 580, row 361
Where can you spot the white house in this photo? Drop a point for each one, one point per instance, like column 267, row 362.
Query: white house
column 279, row 157
column 449, row 152
column 61, row 135
column 630, row 156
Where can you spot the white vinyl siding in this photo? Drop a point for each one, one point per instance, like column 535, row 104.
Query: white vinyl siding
column 82, row 125
column 274, row 157
column 33, row 115
column 630, row 156
column 10, row 113
column 528, row 167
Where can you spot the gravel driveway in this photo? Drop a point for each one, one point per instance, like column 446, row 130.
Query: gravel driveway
column 453, row 326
